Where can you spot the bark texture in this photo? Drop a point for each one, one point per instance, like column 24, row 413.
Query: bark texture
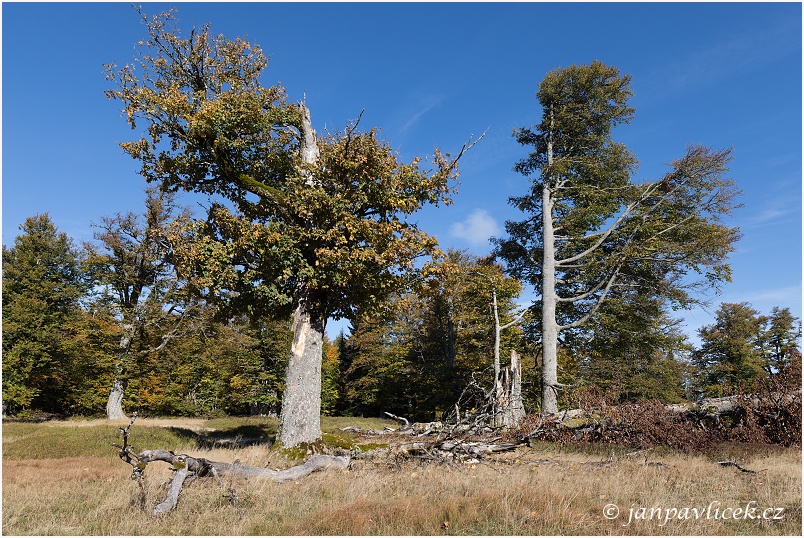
column 549, row 323
column 172, row 497
column 300, row 419
column 510, row 409
column 114, row 404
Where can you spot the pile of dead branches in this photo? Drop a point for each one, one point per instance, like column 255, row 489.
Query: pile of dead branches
column 771, row 414
column 768, row 417
column 460, row 437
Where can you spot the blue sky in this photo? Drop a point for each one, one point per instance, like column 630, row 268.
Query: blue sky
column 426, row 74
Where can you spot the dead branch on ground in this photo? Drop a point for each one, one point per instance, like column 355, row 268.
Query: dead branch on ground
column 186, row 466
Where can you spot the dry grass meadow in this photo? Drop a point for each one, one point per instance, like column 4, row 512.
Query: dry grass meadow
column 65, row 479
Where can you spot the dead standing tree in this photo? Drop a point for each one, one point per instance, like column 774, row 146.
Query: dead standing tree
column 507, row 391
column 510, row 409
column 464, row 437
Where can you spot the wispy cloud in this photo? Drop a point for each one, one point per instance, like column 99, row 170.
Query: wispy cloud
column 477, row 228
column 776, row 210
column 747, row 51
column 783, row 296
column 769, row 216
column 424, row 105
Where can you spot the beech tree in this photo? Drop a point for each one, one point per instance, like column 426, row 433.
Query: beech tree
column 467, row 303
column 591, row 228
column 730, row 351
column 780, row 339
column 131, row 262
column 315, row 225
column 433, row 341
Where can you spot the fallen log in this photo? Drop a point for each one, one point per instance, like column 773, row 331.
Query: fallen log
column 187, row 466
column 731, row 404
column 454, row 450
column 416, row 428
column 204, row 467
column 172, row 497
column 740, row 467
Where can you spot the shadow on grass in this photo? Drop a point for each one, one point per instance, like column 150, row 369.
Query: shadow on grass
column 234, row 437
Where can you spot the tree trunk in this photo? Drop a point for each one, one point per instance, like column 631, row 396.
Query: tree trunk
column 549, row 323
column 114, row 405
column 300, row 419
column 204, row 467
column 517, row 409
column 187, row 466
column 509, row 407
column 497, row 331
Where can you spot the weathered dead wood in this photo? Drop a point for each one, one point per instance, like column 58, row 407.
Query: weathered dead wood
column 416, row 428
column 509, row 409
column 405, row 422
column 188, row 466
column 731, row 404
column 706, row 408
column 204, row 467
column 172, row 497
column 735, row 464
column 453, row 450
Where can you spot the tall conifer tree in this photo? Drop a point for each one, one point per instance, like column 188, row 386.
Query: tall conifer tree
column 590, row 228
column 43, row 285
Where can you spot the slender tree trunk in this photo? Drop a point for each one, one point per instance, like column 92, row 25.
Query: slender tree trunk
column 498, row 396
column 114, row 405
column 300, row 419
column 497, row 331
column 549, row 323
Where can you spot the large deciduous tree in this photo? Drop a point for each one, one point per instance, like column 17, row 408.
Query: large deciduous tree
column 317, row 226
column 590, row 228
column 632, row 349
column 131, row 263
